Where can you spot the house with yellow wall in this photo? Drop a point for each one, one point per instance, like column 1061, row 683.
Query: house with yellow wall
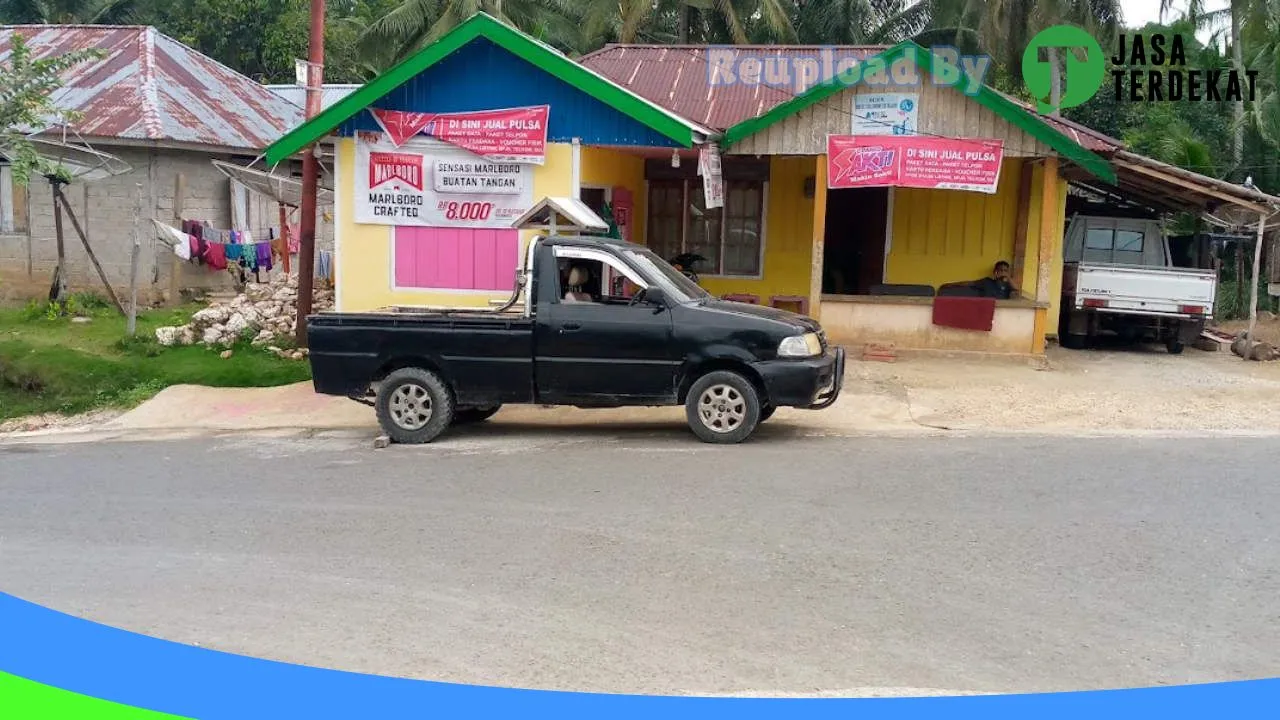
column 628, row 130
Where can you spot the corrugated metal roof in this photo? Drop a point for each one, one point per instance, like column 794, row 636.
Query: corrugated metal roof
column 148, row 86
column 331, row 93
column 678, row 78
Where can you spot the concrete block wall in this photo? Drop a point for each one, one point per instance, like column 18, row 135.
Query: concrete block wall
column 105, row 209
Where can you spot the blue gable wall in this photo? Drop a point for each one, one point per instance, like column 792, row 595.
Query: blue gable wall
column 483, row 76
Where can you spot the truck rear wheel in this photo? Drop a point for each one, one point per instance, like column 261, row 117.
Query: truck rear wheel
column 1174, row 346
column 722, row 407
column 414, row 405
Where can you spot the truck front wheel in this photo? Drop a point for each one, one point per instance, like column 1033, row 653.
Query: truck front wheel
column 414, row 405
column 723, row 407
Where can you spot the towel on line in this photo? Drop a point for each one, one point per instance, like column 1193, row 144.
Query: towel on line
column 964, row 313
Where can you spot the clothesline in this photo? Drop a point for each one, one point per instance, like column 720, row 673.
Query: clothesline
column 193, row 243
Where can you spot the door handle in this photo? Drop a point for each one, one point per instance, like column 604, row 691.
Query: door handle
column 570, row 327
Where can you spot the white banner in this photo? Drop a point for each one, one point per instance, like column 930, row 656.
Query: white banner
column 712, row 178
column 885, row 114
column 434, row 184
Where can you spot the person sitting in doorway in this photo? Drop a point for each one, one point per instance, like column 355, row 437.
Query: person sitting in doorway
column 998, row 285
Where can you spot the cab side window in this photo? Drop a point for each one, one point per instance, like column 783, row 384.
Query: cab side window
column 589, row 279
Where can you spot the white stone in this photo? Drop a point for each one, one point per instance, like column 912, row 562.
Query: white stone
column 236, row 324
column 168, row 336
column 211, row 336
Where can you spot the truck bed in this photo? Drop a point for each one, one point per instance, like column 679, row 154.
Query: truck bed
column 489, row 354
column 1140, row 290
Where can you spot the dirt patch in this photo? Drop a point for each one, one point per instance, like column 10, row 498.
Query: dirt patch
column 55, row 421
column 1267, row 330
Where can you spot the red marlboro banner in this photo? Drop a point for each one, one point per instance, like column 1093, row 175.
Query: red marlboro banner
column 913, row 161
column 512, row 135
column 395, row 167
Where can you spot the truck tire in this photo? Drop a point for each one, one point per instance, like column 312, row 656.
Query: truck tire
column 1073, row 342
column 465, row 416
column 1174, row 346
column 722, row 407
column 414, row 406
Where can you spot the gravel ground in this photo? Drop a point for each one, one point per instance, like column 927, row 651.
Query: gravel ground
column 1103, row 391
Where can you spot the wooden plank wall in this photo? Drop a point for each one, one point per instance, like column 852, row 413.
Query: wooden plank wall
column 943, row 111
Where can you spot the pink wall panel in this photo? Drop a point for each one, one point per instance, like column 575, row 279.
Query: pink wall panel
column 456, row 258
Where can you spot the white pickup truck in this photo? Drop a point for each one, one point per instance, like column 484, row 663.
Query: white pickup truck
column 1117, row 278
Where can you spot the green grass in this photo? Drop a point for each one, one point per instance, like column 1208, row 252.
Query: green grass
column 51, row 364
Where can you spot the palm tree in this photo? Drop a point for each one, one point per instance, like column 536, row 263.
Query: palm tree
column 62, row 12
column 862, row 22
column 1234, row 18
column 1005, row 27
column 415, row 23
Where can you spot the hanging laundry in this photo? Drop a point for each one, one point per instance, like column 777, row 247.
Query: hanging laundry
column 324, row 264
column 295, row 238
column 233, row 253
column 216, row 256
column 175, row 238
column 264, row 255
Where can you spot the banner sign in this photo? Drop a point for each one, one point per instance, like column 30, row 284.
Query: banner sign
column 427, row 183
column 511, row 135
column 914, row 161
column 885, row 113
column 709, row 167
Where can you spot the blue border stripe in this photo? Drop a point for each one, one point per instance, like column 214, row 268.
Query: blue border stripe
column 84, row 657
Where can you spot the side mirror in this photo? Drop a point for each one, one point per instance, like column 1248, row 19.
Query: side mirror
column 655, row 296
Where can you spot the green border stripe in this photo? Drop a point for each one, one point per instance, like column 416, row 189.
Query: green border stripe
column 513, row 41
column 30, row 700
column 1003, row 107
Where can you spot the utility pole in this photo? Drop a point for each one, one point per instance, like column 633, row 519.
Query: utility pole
column 310, row 174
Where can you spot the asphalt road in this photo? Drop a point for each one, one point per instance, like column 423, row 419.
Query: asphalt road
column 646, row 562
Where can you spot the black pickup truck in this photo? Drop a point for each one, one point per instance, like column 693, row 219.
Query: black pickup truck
column 593, row 322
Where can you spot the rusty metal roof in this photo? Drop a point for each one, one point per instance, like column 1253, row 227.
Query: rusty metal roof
column 148, row 86
column 677, row 77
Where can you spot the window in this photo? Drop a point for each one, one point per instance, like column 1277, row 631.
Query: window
column 13, row 203
column 729, row 238
column 598, row 278
column 1128, row 241
column 1114, row 240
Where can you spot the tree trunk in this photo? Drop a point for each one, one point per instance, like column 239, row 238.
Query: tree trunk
column 1055, row 81
column 58, row 290
column 683, row 31
column 93, row 258
column 1237, row 108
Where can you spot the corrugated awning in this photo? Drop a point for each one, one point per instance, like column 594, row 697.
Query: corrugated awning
column 1174, row 189
column 285, row 190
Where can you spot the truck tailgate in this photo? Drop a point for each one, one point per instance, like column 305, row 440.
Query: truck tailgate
column 1181, row 292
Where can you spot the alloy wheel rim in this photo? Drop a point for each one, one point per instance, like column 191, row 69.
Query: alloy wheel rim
column 722, row 408
column 410, row 406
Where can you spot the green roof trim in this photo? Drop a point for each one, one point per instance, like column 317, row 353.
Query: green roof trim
column 517, row 43
column 1006, row 109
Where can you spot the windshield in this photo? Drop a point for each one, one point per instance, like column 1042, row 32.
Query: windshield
column 673, row 282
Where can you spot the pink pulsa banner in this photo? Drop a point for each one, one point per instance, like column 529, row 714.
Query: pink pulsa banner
column 914, row 161
column 511, row 135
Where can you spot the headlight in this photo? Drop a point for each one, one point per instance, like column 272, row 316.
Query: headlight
column 806, row 345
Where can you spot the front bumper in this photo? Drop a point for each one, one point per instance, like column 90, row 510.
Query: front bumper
column 812, row 383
